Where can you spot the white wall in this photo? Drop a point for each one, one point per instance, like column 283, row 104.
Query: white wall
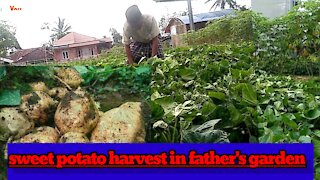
column 272, row 8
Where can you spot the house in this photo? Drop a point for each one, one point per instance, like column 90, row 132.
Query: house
column 181, row 25
column 30, row 56
column 5, row 61
column 74, row 46
column 273, row 8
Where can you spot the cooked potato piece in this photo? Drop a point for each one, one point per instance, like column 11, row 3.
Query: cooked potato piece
column 38, row 106
column 70, row 76
column 14, row 122
column 43, row 134
column 39, row 86
column 58, row 92
column 124, row 124
column 76, row 112
column 74, row 137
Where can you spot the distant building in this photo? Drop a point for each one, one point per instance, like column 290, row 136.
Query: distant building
column 74, row 46
column 30, row 56
column 272, row 8
column 181, row 25
column 5, row 61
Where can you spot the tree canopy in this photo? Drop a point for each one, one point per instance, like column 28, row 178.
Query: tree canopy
column 60, row 29
column 117, row 38
column 7, row 38
column 222, row 4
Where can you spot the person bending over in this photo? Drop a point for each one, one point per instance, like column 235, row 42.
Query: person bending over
column 141, row 36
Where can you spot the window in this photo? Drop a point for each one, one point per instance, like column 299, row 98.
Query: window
column 92, row 52
column 79, row 53
column 65, row 55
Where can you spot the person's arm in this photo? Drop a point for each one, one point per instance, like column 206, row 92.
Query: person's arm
column 129, row 54
column 155, row 46
column 126, row 42
column 155, row 31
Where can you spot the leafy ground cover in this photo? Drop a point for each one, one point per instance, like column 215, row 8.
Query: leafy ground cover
column 286, row 45
column 218, row 94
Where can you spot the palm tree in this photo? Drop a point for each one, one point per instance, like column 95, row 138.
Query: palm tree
column 222, row 3
column 61, row 29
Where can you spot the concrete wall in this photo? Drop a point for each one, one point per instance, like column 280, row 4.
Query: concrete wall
column 272, row 8
column 86, row 52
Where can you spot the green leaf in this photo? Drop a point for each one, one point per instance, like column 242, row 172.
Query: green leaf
column 249, row 94
column 217, row 95
column 316, row 145
column 236, row 116
column 253, row 139
column 208, row 108
column 157, row 111
column 235, row 73
column 10, row 97
column 3, row 72
column 267, row 136
column 186, row 107
column 228, row 52
column 207, row 126
column 155, row 95
column 312, row 114
column 278, row 105
column 305, row 139
column 269, row 114
column 288, row 120
column 143, row 70
column 317, row 169
column 278, row 138
column 262, row 125
column 82, row 70
column 167, row 104
column 159, row 71
column 184, row 125
column 216, row 136
column 317, row 174
column 164, row 101
column 187, row 74
column 205, row 134
column 317, row 133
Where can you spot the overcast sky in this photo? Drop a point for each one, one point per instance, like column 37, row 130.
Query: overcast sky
column 90, row 17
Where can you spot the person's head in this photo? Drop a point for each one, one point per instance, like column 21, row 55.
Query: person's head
column 134, row 16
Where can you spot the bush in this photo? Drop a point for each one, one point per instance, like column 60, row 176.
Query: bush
column 291, row 44
column 238, row 27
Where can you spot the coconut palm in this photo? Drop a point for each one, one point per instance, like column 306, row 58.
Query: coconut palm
column 61, row 29
column 222, row 3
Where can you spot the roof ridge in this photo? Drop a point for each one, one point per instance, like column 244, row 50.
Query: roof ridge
column 32, row 50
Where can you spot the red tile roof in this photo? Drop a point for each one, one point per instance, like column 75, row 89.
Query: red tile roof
column 74, row 39
column 33, row 54
column 20, row 53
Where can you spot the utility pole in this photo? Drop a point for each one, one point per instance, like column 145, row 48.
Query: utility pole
column 190, row 16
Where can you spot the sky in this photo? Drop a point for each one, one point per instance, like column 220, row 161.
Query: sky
column 89, row 17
